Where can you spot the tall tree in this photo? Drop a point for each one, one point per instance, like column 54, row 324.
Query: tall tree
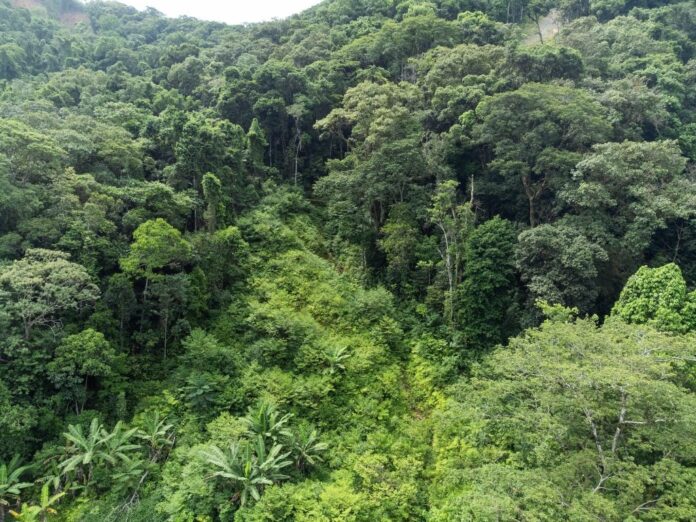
column 454, row 223
column 536, row 134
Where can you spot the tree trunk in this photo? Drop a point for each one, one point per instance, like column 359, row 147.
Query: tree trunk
column 447, row 258
column 142, row 312
column 27, row 335
column 531, row 196
column 166, row 334
column 532, row 218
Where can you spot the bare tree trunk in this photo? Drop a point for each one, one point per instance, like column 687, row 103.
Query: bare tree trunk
column 298, row 148
column 447, row 258
column 142, row 312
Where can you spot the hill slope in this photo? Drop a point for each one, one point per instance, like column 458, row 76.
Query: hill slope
column 378, row 261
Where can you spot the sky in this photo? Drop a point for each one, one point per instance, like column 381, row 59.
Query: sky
column 229, row 11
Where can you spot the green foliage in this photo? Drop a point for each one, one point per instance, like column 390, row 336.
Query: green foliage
column 11, row 485
column 486, row 294
column 250, row 468
column 37, row 289
column 627, row 192
column 537, row 133
column 658, row 296
column 157, row 246
column 78, row 358
column 270, row 272
column 559, row 265
column 43, row 510
column 574, row 411
column 87, row 454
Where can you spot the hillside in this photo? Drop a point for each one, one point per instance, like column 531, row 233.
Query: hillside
column 66, row 12
column 382, row 260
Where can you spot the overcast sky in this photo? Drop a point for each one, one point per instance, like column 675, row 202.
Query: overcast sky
column 229, row 11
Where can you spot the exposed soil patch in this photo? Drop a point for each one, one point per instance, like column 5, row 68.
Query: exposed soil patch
column 67, row 18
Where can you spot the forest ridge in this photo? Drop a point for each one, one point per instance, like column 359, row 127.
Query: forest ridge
column 420, row 260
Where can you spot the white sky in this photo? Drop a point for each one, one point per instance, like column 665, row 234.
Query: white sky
column 229, row 11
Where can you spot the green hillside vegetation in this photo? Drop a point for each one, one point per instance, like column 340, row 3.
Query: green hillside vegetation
column 380, row 261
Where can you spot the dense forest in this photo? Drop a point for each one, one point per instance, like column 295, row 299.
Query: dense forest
column 385, row 260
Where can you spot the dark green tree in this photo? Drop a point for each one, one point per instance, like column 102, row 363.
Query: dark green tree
column 487, row 293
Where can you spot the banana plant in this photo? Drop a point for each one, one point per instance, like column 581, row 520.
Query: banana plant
column 306, row 448
column 272, row 462
column 266, row 421
column 11, row 484
column 250, row 469
column 41, row 512
column 156, row 434
column 335, row 357
column 86, row 451
column 130, row 475
column 117, row 443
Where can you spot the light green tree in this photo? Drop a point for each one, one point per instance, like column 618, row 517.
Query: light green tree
column 659, row 297
column 574, row 411
column 43, row 285
column 156, row 246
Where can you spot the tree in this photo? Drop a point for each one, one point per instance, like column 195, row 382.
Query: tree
column 381, row 164
column 306, row 448
column 16, row 421
column 487, row 291
column 212, row 192
column 537, row 134
column 591, row 415
column 249, row 468
column 42, row 286
column 454, row 222
column 32, row 157
column 79, row 361
column 256, row 148
column 208, row 145
column 265, row 421
column 658, row 296
column 157, row 248
column 536, row 9
column 156, row 434
column 169, row 298
column 83, row 452
column 559, row 265
column 399, row 243
column 12, row 58
column 87, row 452
column 623, row 193
column 120, row 299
